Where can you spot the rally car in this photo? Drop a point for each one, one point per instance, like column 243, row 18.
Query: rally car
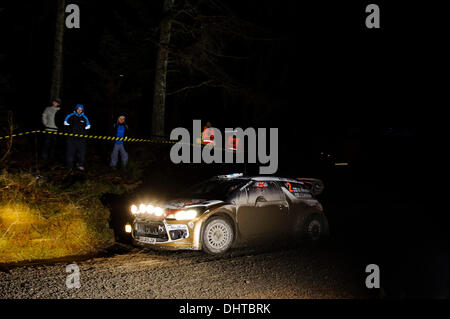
column 221, row 212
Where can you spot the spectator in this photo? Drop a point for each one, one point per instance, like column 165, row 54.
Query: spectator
column 76, row 123
column 120, row 129
column 208, row 134
column 49, row 121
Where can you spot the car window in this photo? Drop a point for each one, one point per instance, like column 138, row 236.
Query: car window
column 299, row 190
column 269, row 190
column 213, row 189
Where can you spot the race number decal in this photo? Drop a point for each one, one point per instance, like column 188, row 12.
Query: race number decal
column 289, row 187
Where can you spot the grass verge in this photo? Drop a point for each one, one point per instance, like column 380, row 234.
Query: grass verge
column 42, row 220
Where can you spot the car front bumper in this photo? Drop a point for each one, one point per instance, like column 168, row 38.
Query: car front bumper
column 167, row 234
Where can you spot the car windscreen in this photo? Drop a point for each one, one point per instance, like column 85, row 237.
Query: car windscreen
column 213, row 189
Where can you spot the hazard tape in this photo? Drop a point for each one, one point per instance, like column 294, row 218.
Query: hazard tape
column 98, row 137
column 113, row 138
column 18, row 134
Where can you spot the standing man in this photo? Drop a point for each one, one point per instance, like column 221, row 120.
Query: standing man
column 207, row 134
column 49, row 122
column 120, row 129
column 76, row 123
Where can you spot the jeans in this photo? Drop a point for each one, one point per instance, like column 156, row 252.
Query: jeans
column 119, row 148
column 49, row 146
column 75, row 146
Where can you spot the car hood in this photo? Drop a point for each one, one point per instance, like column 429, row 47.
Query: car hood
column 182, row 203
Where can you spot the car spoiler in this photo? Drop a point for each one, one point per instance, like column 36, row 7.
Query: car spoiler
column 316, row 185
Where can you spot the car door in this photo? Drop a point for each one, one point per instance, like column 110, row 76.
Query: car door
column 300, row 200
column 261, row 213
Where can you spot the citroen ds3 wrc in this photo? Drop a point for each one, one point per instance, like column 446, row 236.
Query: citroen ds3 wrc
column 226, row 210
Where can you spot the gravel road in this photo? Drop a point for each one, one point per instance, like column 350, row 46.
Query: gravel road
column 292, row 272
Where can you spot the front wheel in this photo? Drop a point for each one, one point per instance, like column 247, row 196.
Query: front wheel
column 217, row 236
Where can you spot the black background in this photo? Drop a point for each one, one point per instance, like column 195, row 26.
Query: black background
column 331, row 86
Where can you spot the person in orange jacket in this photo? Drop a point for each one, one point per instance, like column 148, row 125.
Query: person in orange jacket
column 207, row 134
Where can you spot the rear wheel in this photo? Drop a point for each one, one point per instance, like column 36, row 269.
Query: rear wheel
column 218, row 235
column 315, row 228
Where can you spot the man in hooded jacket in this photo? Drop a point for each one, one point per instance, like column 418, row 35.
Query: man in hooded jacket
column 120, row 129
column 76, row 123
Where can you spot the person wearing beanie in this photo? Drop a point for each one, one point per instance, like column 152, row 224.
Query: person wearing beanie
column 76, row 123
column 50, row 125
column 120, row 129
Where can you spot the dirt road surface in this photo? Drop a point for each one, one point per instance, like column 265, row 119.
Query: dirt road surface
column 289, row 272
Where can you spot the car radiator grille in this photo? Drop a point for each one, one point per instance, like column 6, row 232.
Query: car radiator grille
column 154, row 230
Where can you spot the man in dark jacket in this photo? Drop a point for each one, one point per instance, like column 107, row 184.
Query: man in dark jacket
column 50, row 124
column 76, row 123
column 120, row 129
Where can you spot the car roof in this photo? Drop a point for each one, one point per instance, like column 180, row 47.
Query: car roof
column 260, row 178
column 273, row 178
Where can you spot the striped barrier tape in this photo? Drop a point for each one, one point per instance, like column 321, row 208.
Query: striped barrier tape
column 99, row 137
column 107, row 138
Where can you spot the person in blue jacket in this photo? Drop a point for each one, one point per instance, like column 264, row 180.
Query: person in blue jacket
column 76, row 123
column 120, row 129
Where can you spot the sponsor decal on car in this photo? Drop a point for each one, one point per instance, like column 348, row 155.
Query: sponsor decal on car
column 298, row 192
column 261, row 185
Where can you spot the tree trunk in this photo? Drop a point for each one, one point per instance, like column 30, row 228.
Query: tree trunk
column 159, row 95
column 57, row 73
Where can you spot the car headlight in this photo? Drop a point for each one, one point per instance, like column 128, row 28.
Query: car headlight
column 184, row 214
column 158, row 211
column 147, row 209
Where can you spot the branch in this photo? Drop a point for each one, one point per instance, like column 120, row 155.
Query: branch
column 191, row 87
